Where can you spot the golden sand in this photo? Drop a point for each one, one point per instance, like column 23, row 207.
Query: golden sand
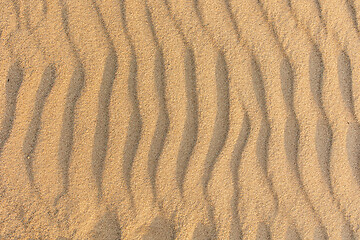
column 179, row 119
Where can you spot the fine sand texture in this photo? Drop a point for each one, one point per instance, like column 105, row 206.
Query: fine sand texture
column 180, row 119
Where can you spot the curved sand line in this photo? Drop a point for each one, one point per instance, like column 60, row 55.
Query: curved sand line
column 163, row 119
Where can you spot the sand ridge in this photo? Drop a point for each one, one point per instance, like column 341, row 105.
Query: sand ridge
column 166, row 119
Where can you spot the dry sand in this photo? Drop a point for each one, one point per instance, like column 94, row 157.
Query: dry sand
column 179, row 119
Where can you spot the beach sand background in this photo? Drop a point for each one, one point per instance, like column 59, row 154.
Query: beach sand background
column 169, row 119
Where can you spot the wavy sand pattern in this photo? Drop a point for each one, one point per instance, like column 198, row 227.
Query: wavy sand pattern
column 167, row 119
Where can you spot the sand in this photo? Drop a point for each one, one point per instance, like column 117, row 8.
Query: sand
column 169, row 119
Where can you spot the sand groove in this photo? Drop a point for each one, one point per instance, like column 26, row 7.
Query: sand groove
column 31, row 136
column 73, row 94
column 221, row 124
column 162, row 124
column 191, row 126
column 135, row 123
column 101, row 136
column 166, row 119
column 12, row 85
column 66, row 140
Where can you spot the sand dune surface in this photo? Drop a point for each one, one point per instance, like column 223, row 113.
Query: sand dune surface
column 168, row 119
